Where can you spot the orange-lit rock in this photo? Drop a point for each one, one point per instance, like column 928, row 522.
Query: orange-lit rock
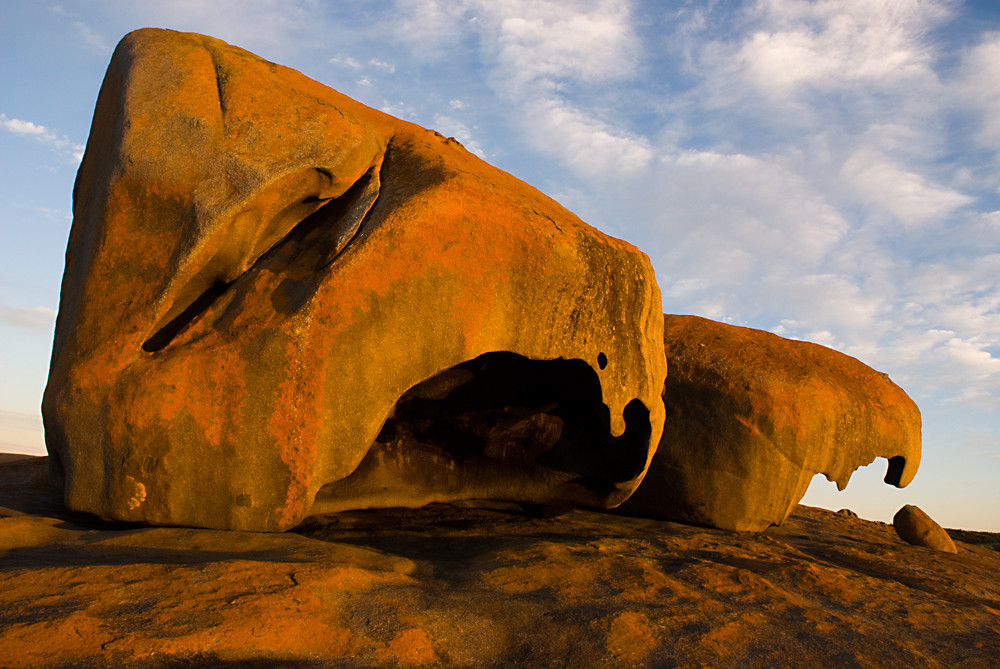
column 915, row 527
column 465, row 586
column 260, row 267
column 751, row 417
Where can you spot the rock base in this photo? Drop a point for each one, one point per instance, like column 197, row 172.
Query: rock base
column 487, row 586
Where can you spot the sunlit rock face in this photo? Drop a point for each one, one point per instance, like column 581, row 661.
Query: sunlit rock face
column 278, row 301
column 752, row 417
column 915, row 527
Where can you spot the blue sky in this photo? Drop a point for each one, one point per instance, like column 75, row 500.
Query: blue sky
column 826, row 170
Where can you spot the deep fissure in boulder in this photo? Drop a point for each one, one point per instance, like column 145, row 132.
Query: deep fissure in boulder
column 326, row 232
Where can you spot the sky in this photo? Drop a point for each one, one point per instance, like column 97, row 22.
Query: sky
column 827, row 170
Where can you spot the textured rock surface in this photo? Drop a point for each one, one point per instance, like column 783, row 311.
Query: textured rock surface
column 916, row 527
column 463, row 587
column 751, row 417
column 260, row 267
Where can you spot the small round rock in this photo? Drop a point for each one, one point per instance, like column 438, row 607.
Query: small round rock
column 915, row 527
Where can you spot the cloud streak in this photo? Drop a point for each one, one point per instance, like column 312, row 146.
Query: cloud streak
column 805, row 177
column 34, row 318
column 39, row 133
column 535, row 53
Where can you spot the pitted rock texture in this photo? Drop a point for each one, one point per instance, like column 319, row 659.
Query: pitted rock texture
column 752, row 417
column 915, row 527
column 461, row 586
column 260, row 268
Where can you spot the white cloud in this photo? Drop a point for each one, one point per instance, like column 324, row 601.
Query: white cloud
column 879, row 182
column 91, row 39
column 36, row 318
column 452, row 127
column 540, row 43
column 57, row 142
column 346, row 61
column 430, row 27
column 22, row 127
column 590, row 146
column 976, row 87
column 274, row 29
column 533, row 51
column 829, row 43
column 388, row 68
column 400, row 109
column 757, row 205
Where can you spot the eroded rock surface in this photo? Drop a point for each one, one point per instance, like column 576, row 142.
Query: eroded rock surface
column 259, row 269
column 915, row 527
column 457, row 586
column 752, row 417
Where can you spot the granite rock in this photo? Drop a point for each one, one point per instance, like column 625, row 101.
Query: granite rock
column 278, row 302
column 482, row 586
column 915, row 527
column 752, row 417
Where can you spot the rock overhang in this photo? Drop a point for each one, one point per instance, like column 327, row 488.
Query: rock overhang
column 752, row 417
column 261, row 268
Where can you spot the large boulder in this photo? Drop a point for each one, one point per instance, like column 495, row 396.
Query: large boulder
column 915, row 527
column 752, row 417
column 278, row 302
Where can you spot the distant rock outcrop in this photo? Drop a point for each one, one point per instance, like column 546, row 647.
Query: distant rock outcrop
column 915, row 527
column 278, row 301
column 751, row 417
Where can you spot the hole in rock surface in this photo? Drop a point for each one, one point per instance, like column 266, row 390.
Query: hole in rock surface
column 495, row 424
column 894, row 472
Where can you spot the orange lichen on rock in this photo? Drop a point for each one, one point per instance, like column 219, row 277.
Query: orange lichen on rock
column 482, row 586
column 260, row 267
column 753, row 416
column 631, row 638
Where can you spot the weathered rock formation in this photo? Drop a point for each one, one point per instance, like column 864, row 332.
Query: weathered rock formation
column 457, row 586
column 915, row 527
column 751, row 417
column 278, row 301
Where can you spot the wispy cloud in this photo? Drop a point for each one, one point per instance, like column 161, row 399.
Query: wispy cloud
column 976, row 87
column 21, row 432
column 35, row 318
column 272, row 28
column 91, row 38
column 39, row 133
column 534, row 52
column 20, row 420
column 448, row 125
column 806, row 179
column 346, row 61
column 829, row 44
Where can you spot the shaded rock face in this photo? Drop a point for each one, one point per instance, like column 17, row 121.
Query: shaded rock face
column 751, row 417
column 260, row 268
column 915, row 527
